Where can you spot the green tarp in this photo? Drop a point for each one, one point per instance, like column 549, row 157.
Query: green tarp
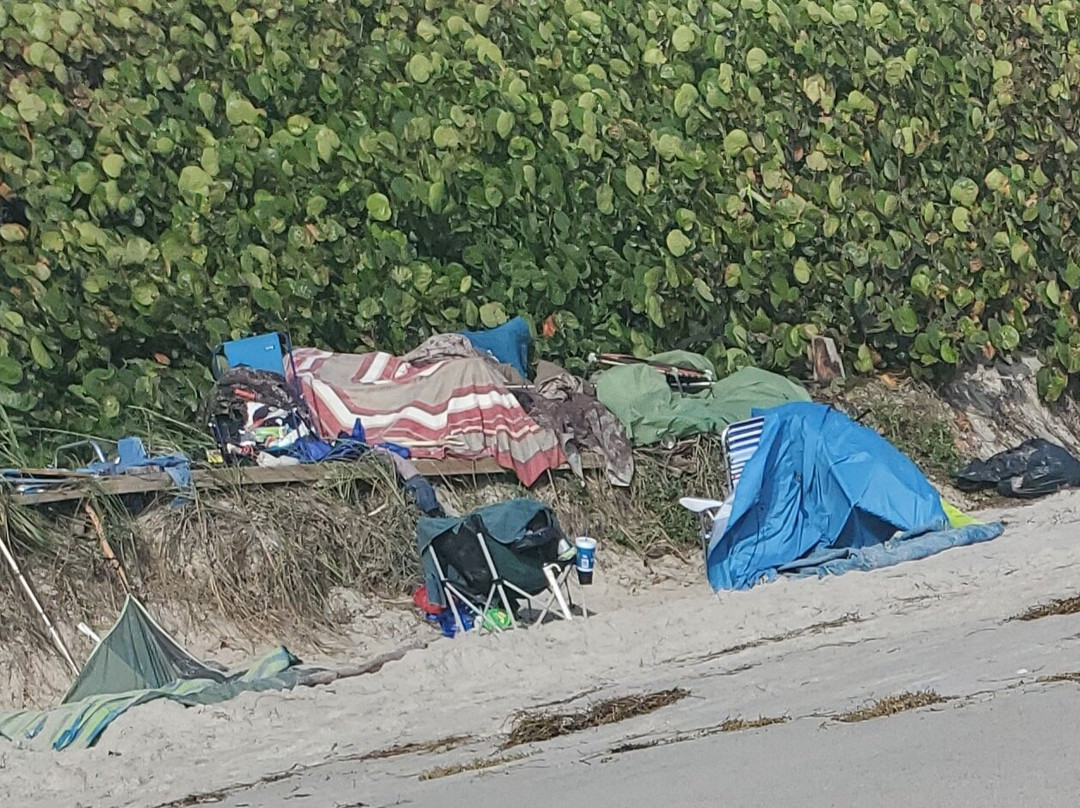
column 137, row 662
column 136, row 654
column 642, row 400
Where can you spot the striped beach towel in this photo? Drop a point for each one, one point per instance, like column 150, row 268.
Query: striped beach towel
column 457, row 407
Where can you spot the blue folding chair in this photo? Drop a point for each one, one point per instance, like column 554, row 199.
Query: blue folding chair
column 261, row 352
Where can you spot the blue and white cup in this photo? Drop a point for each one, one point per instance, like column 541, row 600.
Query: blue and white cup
column 586, row 558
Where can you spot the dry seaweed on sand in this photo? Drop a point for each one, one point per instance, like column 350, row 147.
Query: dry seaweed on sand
column 440, row 745
column 472, row 766
column 891, row 705
column 728, row 725
column 739, row 724
column 1070, row 676
column 1061, row 606
column 537, row 727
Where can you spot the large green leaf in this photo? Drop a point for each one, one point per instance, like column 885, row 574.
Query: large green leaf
column 112, row 165
column 194, row 181
column 378, row 207
column 735, row 141
column 756, row 59
column 964, row 191
column 678, row 243
column 419, row 68
column 239, row 110
column 11, row 372
column 492, row 315
column 685, row 97
column 683, row 38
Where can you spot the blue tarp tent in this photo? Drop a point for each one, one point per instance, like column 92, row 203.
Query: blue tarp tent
column 820, row 489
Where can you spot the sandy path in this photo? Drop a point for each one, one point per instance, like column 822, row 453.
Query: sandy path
column 935, row 623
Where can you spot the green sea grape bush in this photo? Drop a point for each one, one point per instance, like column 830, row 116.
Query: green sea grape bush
column 731, row 176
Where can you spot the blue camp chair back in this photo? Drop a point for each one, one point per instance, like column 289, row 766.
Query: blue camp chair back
column 260, row 352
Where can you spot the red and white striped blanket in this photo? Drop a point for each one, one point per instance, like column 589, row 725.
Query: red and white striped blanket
column 450, row 408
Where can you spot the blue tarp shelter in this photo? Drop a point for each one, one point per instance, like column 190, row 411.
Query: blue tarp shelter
column 823, row 494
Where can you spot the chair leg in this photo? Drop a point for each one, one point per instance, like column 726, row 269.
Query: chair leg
column 566, row 583
column 448, row 593
column 454, row 597
column 497, row 583
column 556, row 591
column 506, row 604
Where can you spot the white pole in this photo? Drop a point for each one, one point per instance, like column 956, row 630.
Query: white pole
column 4, row 541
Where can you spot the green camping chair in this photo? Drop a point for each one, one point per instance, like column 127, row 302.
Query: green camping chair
column 478, row 573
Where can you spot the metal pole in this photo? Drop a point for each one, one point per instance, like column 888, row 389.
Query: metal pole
column 496, row 584
column 5, row 541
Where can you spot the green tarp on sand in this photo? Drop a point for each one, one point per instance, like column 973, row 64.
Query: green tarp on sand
column 137, row 662
column 136, row 654
column 642, row 400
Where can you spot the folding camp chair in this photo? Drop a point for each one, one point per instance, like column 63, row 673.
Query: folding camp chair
column 477, row 574
column 740, row 440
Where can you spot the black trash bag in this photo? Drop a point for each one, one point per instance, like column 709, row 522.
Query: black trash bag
column 1033, row 469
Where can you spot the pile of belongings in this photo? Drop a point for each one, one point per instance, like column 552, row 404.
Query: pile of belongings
column 463, row 396
column 1035, row 468
column 251, row 411
column 568, row 406
column 138, row 662
column 257, row 416
column 823, row 495
column 673, row 395
column 467, row 396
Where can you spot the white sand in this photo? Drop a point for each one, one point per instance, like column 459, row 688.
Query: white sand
column 657, row 636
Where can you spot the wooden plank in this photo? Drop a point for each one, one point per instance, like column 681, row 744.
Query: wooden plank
column 116, row 486
column 216, row 479
column 262, row 475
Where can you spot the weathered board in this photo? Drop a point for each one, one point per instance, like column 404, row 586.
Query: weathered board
column 80, row 486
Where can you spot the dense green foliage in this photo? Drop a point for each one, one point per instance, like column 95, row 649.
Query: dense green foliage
column 729, row 176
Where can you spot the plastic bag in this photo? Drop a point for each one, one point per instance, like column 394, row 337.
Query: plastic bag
column 1033, row 469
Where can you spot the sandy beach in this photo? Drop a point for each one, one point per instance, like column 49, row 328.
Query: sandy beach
column 804, row 651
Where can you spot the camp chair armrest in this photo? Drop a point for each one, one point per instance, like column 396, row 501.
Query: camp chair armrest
column 696, row 505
